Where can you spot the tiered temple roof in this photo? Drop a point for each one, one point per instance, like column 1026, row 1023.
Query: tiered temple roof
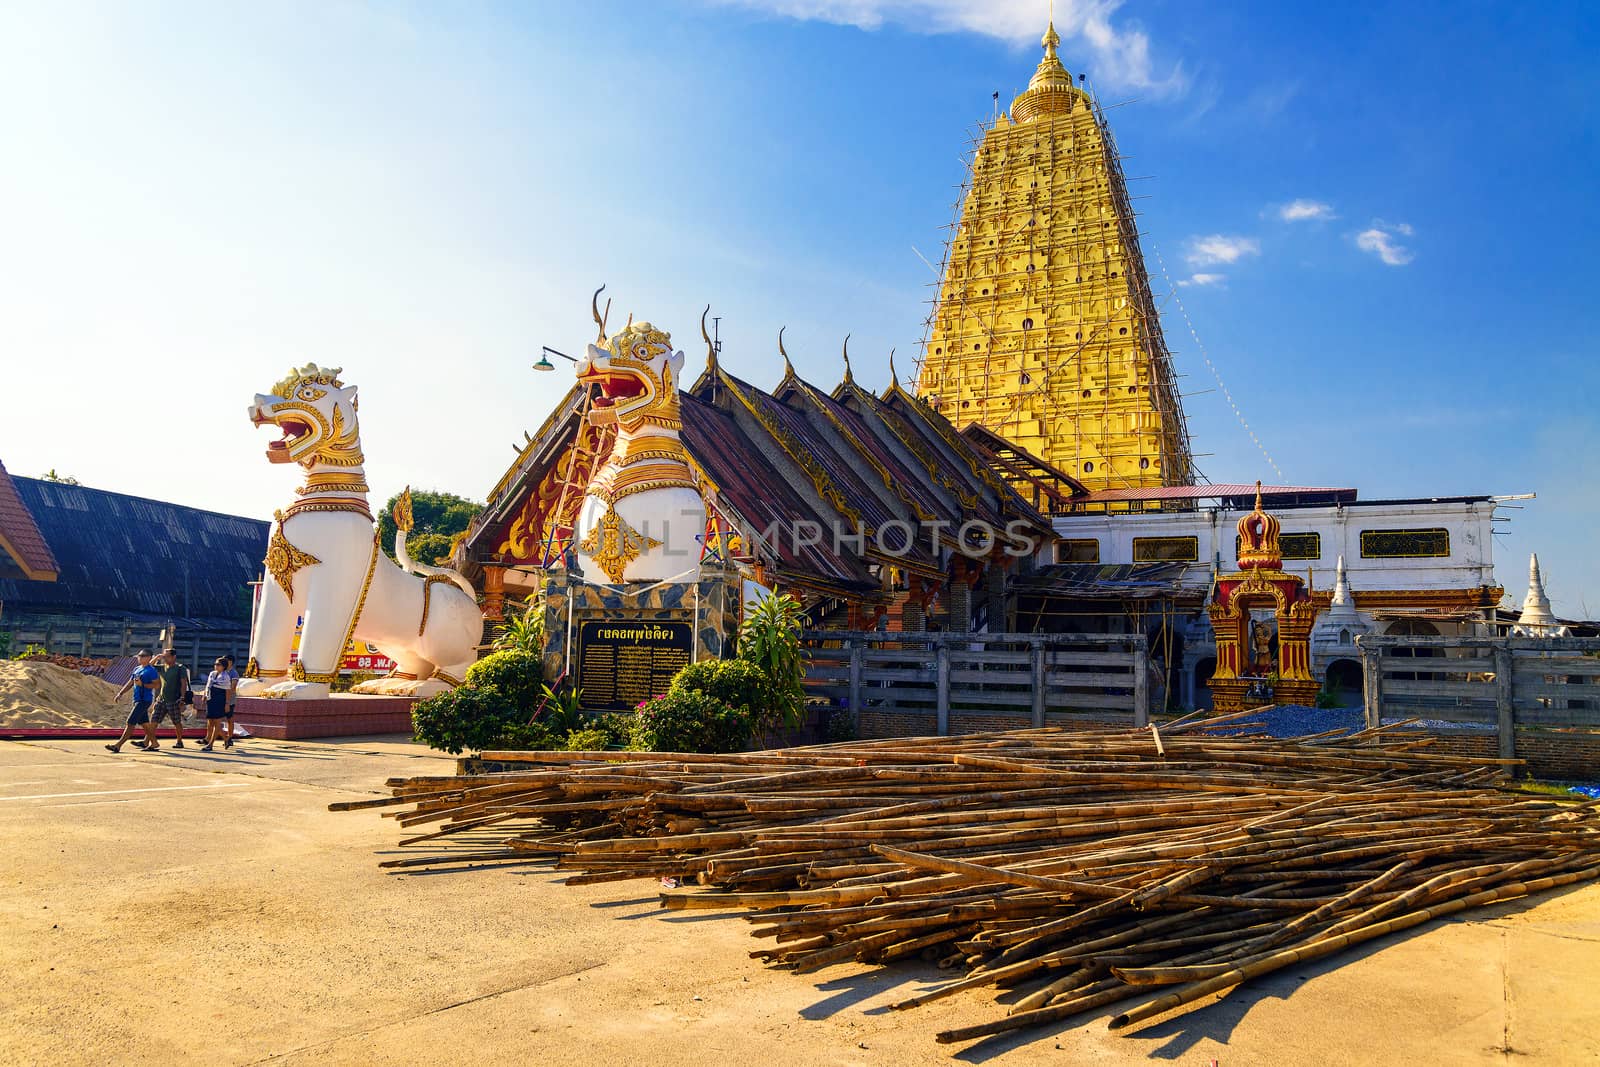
column 843, row 459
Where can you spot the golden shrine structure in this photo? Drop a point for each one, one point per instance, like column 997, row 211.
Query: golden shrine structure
column 1045, row 331
column 1252, row 660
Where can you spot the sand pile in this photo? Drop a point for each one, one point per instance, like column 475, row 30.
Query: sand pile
column 37, row 694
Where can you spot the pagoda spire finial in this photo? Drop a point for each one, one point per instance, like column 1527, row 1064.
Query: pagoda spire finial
column 1258, row 494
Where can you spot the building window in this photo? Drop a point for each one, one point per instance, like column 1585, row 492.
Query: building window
column 1293, row 545
column 1166, row 549
column 1405, row 544
column 1078, row 550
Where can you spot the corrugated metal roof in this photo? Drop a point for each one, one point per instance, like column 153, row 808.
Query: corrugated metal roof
column 127, row 554
column 20, row 537
column 1203, row 492
column 1114, row 581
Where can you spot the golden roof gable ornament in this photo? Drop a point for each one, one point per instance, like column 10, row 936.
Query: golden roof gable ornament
column 1258, row 539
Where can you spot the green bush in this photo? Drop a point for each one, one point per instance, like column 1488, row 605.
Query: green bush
column 591, row 738
column 688, row 720
column 526, row 737
column 770, row 639
column 524, row 629
column 618, row 727
column 471, row 717
column 740, row 685
column 516, row 674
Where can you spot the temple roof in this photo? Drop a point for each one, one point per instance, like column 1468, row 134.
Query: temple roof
column 127, row 554
column 20, row 539
column 758, row 492
column 842, row 459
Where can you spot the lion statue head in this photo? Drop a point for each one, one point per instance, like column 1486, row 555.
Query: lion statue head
column 317, row 414
column 637, row 372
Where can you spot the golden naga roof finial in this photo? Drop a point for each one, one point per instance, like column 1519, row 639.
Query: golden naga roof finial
column 711, row 349
column 788, row 368
column 893, row 377
column 847, row 375
column 599, row 319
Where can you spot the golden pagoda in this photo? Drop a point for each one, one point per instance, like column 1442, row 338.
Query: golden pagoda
column 1044, row 330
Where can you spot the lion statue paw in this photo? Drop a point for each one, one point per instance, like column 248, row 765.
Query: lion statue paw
column 401, row 687
column 296, row 691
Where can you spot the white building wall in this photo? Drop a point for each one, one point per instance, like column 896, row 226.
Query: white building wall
column 1468, row 566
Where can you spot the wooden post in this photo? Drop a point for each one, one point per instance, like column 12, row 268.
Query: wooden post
column 1038, row 683
column 1141, row 686
column 857, row 655
column 941, row 653
column 494, row 591
column 1372, row 685
column 1504, row 696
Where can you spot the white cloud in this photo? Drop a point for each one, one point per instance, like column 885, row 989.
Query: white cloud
column 1305, row 211
column 1379, row 239
column 1118, row 54
column 1201, row 279
column 1220, row 248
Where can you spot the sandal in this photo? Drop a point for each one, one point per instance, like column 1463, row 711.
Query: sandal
column 113, row 748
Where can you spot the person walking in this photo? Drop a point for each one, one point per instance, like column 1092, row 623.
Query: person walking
column 143, row 681
column 173, row 695
column 219, row 687
column 233, row 697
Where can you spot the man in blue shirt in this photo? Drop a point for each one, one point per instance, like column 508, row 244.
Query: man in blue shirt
column 143, row 681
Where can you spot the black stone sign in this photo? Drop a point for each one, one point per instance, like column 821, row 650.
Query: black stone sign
column 623, row 663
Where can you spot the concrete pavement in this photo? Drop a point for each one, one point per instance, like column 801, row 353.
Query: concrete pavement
column 185, row 907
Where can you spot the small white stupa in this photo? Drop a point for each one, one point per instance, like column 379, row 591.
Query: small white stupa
column 1341, row 624
column 1537, row 619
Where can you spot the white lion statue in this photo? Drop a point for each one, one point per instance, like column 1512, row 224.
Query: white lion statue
column 643, row 517
column 325, row 565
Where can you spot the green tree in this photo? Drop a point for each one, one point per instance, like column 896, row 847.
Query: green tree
column 65, row 479
column 438, row 518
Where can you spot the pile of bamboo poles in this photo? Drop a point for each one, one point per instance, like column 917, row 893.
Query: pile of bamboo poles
column 1068, row 870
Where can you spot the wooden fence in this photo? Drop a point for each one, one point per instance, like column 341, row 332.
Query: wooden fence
column 1048, row 677
column 1497, row 681
column 110, row 637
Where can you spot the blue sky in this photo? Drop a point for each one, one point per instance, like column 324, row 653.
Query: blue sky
column 1379, row 219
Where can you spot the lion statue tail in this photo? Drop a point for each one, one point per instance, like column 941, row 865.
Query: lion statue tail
column 403, row 521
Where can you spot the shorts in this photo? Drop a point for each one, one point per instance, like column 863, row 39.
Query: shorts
column 140, row 713
column 172, row 709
